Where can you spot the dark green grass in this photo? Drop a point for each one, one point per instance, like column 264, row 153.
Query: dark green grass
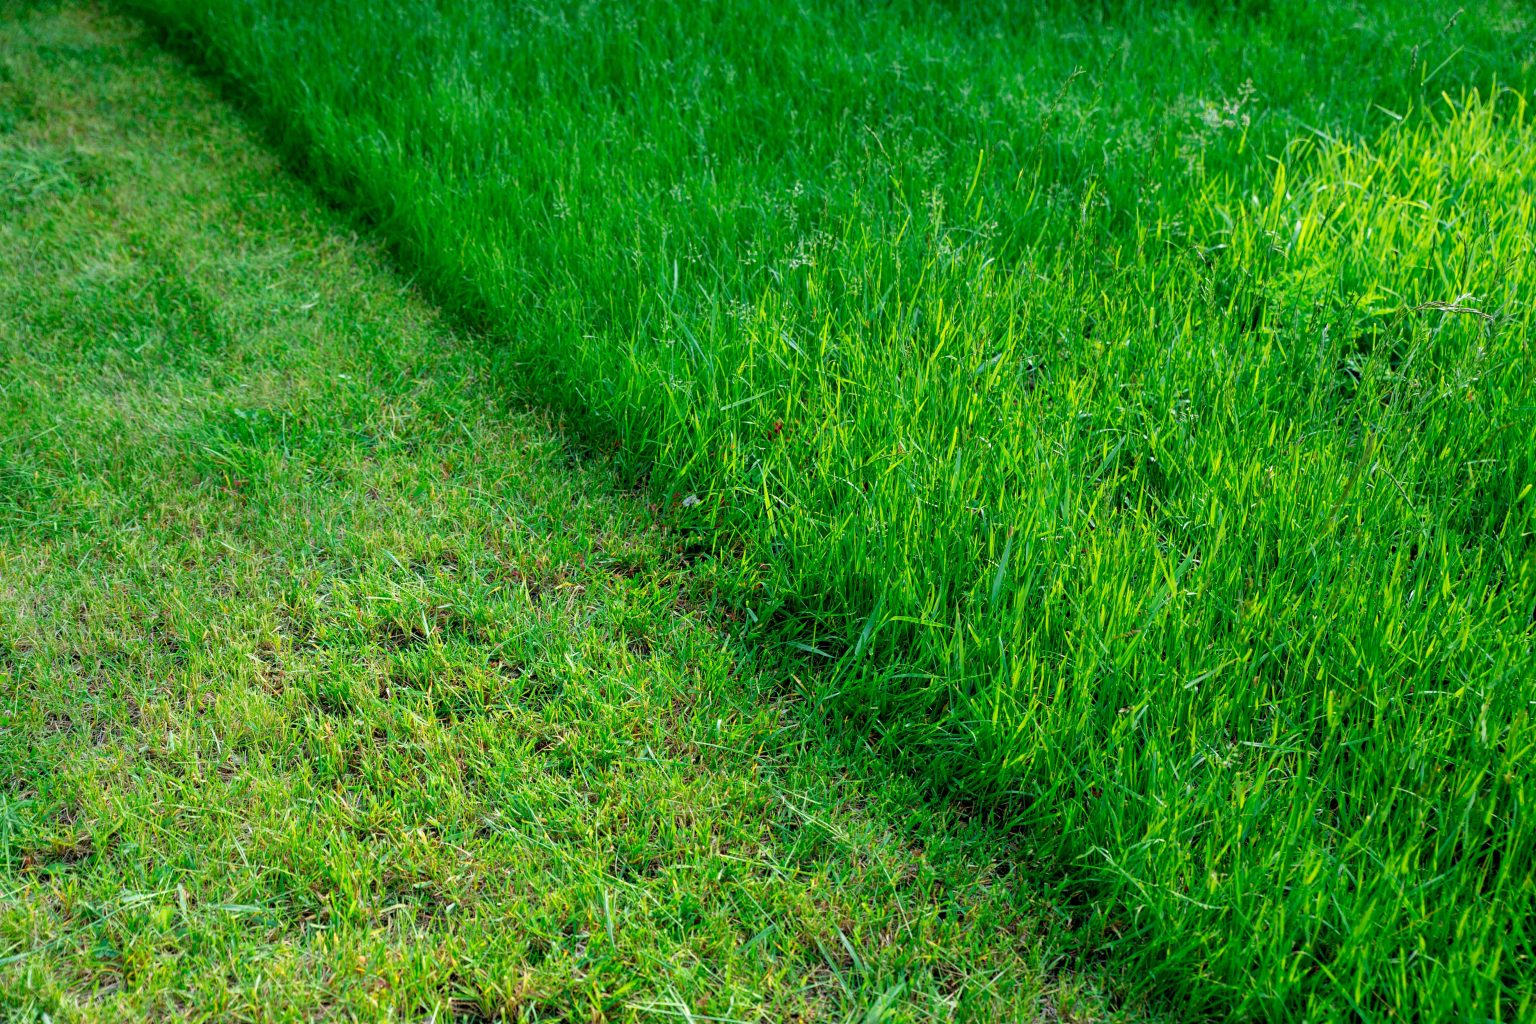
column 1131, row 404
column 333, row 688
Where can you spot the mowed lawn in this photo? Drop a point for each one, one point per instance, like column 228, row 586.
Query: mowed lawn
column 334, row 685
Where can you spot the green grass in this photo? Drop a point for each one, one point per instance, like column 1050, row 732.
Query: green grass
column 1129, row 406
column 334, row 686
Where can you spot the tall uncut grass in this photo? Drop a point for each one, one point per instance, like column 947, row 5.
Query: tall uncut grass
column 1132, row 405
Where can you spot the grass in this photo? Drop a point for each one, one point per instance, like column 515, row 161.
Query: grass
column 334, row 685
column 1129, row 405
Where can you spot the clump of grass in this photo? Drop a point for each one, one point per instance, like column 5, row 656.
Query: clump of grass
column 1176, row 506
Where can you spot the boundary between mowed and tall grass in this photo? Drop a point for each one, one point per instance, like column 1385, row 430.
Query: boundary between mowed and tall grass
column 1186, row 452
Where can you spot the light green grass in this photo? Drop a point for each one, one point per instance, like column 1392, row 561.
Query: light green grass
column 334, row 687
column 1131, row 404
